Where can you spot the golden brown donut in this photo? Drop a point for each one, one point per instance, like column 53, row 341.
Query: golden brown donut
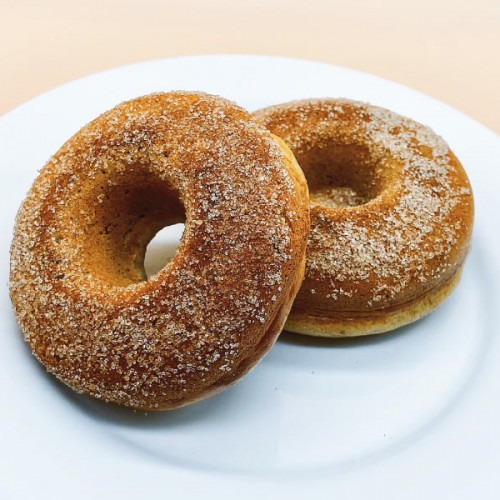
column 77, row 279
column 391, row 210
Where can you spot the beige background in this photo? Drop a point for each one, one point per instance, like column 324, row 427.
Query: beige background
column 449, row 49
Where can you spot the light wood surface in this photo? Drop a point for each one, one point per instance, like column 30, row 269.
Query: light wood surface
column 445, row 48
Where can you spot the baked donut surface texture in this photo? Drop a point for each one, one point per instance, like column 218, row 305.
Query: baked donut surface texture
column 391, row 216
column 77, row 279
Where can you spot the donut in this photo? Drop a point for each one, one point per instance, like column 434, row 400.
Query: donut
column 80, row 294
column 391, row 216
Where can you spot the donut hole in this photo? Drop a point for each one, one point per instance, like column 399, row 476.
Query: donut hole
column 162, row 248
column 124, row 211
column 342, row 175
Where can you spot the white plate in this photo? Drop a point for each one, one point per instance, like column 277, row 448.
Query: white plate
column 411, row 414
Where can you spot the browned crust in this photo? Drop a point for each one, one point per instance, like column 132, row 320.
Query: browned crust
column 376, row 253
column 77, row 280
column 347, row 324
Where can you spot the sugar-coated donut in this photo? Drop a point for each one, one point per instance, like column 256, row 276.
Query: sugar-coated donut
column 391, row 216
column 77, row 279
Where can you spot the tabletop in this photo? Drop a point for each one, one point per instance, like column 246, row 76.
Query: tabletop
column 445, row 48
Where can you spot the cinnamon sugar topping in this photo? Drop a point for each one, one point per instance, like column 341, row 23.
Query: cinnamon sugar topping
column 77, row 278
column 382, row 242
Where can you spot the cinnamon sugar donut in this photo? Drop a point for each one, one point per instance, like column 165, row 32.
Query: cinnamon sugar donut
column 77, row 279
column 391, row 210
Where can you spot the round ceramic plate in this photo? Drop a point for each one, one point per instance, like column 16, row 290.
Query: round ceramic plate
column 410, row 414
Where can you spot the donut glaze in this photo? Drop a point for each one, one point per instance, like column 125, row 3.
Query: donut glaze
column 391, row 216
column 77, row 280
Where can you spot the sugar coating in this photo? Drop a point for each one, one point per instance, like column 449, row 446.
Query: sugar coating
column 373, row 254
column 198, row 324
